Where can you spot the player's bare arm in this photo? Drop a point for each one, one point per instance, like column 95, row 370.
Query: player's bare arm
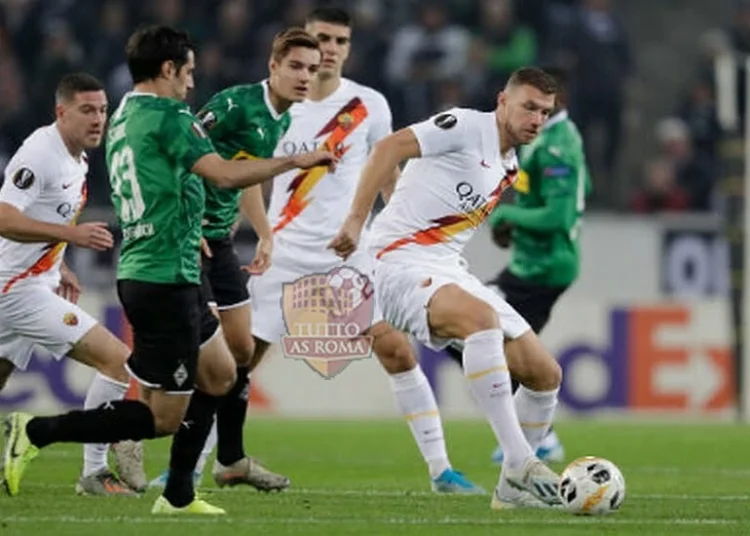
column 16, row 226
column 385, row 157
column 254, row 209
column 243, row 173
column 387, row 191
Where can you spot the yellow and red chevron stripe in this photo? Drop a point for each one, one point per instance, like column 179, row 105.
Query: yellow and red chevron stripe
column 449, row 226
column 343, row 123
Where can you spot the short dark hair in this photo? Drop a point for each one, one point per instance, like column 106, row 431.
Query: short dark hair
column 291, row 38
column 150, row 46
column 331, row 15
column 73, row 83
column 534, row 77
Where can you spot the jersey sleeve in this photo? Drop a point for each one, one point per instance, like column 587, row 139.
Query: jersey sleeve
column 184, row 139
column 382, row 120
column 23, row 184
column 442, row 133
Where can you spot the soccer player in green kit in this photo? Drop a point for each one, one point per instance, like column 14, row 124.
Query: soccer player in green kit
column 543, row 225
column 156, row 153
column 244, row 122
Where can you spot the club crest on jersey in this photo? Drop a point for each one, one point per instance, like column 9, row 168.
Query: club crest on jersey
column 446, row 121
column 345, row 120
column 70, row 319
column 207, row 119
column 23, row 178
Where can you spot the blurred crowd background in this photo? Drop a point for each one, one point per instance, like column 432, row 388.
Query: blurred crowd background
column 643, row 91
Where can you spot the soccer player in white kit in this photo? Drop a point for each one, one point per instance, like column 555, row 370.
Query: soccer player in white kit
column 42, row 195
column 461, row 161
column 306, row 210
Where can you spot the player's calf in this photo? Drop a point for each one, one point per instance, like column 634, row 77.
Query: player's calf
column 531, row 364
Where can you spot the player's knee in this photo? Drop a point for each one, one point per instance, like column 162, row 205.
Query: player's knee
column 243, row 349
column 223, row 376
column 477, row 316
column 394, row 351
column 551, row 377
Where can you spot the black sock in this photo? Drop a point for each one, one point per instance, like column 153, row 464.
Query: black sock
column 230, row 419
column 109, row 423
column 187, row 445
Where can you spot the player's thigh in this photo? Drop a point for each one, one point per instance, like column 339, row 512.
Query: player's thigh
column 101, row 350
column 166, row 324
column 530, row 363
column 6, row 369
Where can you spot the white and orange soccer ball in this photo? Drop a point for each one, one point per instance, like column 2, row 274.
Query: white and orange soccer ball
column 592, row 486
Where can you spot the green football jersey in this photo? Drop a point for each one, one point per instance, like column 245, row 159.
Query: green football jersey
column 242, row 124
column 151, row 145
column 553, row 171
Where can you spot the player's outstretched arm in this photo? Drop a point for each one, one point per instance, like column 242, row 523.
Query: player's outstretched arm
column 16, row 226
column 243, row 173
column 387, row 154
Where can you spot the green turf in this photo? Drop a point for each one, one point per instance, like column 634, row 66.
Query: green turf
column 367, row 478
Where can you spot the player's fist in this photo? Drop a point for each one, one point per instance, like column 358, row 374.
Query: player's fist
column 501, row 235
column 346, row 241
column 315, row 159
column 92, row 235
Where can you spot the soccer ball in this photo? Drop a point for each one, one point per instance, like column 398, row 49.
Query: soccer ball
column 592, row 486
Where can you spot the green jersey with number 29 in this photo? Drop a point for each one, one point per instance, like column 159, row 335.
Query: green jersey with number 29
column 152, row 143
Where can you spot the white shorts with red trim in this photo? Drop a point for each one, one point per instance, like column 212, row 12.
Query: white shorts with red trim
column 34, row 316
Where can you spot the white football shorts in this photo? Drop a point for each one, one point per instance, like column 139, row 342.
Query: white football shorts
column 33, row 315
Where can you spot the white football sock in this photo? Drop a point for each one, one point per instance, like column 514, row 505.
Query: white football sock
column 207, row 448
column 417, row 404
column 486, row 370
column 102, row 389
column 535, row 410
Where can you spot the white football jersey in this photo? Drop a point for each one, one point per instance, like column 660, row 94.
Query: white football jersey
column 442, row 197
column 47, row 184
column 308, row 206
